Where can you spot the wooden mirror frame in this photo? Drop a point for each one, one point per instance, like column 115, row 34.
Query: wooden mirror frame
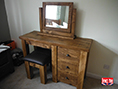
column 70, row 4
column 58, row 32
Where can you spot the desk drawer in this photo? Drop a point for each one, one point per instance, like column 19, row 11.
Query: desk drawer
column 67, row 67
column 67, row 78
column 43, row 45
column 68, row 55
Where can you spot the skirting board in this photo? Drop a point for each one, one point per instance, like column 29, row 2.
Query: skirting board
column 98, row 77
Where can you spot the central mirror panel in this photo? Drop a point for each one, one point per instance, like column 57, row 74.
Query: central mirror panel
column 57, row 19
column 57, row 16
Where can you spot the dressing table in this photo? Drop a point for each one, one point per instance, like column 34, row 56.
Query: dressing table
column 69, row 54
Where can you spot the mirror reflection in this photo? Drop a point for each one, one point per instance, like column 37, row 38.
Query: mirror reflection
column 57, row 16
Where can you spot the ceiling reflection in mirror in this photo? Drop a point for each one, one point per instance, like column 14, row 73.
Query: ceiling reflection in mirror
column 57, row 16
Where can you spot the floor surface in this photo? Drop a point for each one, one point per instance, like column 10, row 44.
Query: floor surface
column 18, row 80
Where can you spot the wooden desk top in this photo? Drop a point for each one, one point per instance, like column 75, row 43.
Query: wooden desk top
column 78, row 43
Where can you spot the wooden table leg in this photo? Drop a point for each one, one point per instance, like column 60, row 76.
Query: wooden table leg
column 82, row 66
column 25, row 48
column 86, row 66
column 54, row 63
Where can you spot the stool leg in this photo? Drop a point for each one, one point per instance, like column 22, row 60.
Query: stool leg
column 29, row 70
column 43, row 74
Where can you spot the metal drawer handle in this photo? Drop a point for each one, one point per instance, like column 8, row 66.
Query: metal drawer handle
column 67, row 55
column 67, row 67
column 66, row 77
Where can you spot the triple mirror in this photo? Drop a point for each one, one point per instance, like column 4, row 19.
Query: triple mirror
column 57, row 18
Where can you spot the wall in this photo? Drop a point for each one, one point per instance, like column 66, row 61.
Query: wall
column 95, row 19
column 23, row 17
column 4, row 29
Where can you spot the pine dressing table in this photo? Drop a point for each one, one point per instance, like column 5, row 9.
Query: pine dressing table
column 69, row 56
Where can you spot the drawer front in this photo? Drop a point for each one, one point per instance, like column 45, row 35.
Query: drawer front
column 67, row 67
column 43, row 45
column 67, row 78
column 68, row 55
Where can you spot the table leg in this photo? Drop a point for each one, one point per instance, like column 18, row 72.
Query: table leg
column 25, row 48
column 54, row 63
column 81, row 71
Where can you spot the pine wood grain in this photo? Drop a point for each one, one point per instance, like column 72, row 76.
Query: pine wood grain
column 73, row 22
column 43, row 73
column 66, row 33
column 54, row 63
column 35, row 43
column 29, row 70
column 67, row 78
column 77, row 50
column 68, row 53
column 67, row 67
column 70, row 4
column 24, row 47
column 77, row 44
column 42, row 69
column 81, row 69
column 41, row 19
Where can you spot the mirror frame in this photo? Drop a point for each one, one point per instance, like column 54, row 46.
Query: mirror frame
column 70, row 4
column 58, row 32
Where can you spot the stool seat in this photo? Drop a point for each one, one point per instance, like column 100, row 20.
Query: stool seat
column 39, row 56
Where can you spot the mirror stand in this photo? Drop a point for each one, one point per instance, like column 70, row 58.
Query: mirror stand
column 55, row 33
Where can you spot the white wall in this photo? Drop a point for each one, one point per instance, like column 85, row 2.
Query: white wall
column 23, row 17
column 96, row 19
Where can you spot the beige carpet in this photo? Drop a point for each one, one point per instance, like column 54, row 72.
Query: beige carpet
column 18, row 80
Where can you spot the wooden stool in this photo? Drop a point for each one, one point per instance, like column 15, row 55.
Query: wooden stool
column 39, row 59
